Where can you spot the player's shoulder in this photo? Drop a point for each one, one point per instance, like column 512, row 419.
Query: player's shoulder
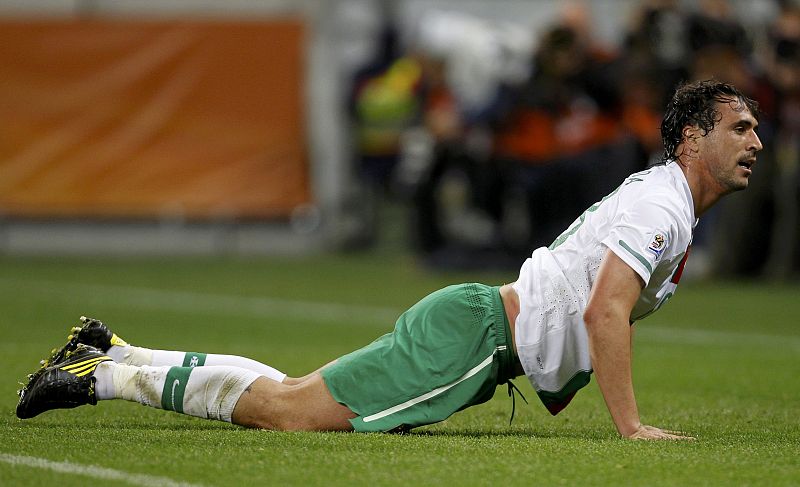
column 660, row 186
column 659, row 175
column 658, row 197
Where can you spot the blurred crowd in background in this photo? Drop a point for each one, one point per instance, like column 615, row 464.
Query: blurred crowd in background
column 495, row 157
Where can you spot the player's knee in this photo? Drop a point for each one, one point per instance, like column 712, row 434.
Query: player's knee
column 305, row 409
column 298, row 407
column 285, row 411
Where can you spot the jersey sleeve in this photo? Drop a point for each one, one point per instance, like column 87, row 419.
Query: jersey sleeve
column 642, row 235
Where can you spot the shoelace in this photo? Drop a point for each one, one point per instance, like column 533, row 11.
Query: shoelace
column 511, row 389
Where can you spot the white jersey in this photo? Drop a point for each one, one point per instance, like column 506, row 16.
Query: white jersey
column 647, row 221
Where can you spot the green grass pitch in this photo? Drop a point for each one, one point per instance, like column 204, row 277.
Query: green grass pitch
column 720, row 361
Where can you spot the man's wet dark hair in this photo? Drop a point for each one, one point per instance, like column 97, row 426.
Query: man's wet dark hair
column 695, row 104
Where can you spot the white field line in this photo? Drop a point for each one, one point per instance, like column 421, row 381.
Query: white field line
column 204, row 303
column 662, row 334
column 93, row 471
column 90, row 295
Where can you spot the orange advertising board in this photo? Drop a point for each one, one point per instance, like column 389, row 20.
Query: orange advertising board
column 140, row 119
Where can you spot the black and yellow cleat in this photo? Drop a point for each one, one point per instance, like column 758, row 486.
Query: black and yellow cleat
column 92, row 332
column 96, row 334
column 65, row 384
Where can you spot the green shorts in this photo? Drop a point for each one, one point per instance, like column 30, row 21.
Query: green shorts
column 448, row 352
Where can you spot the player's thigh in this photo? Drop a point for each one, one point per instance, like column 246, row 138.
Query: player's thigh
column 308, row 406
column 313, row 408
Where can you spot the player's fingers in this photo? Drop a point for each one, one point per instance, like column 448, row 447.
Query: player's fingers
column 656, row 437
column 671, row 432
column 682, row 437
column 647, row 432
column 666, row 435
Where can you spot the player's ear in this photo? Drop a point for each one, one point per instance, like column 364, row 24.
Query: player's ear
column 688, row 147
column 691, row 134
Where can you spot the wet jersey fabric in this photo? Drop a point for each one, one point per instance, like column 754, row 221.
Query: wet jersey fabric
column 647, row 222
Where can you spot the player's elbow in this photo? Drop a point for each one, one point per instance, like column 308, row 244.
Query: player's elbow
column 598, row 318
column 592, row 315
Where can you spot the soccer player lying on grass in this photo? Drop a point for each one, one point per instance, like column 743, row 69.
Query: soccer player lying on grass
column 570, row 313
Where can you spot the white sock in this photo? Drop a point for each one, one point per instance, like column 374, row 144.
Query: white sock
column 104, row 381
column 144, row 356
column 206, row 392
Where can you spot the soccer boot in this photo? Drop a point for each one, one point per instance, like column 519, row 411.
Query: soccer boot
column 93, row 333
column 66, row 384
column 96, row 334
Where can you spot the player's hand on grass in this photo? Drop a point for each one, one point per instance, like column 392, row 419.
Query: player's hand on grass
column 645, row 432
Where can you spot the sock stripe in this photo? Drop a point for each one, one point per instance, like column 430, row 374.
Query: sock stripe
column 174, row 388
column 194, row 359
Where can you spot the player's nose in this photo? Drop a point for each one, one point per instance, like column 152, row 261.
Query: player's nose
column 755, row 143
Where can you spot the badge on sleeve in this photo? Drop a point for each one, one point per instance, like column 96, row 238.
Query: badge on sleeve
column 657, row 244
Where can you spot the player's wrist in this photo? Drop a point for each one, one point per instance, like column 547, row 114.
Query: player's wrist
column 629, row 430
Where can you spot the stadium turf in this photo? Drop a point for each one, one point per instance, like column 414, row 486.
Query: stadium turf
column 720, row 361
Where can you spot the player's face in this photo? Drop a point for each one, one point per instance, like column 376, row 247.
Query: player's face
column 729, row 150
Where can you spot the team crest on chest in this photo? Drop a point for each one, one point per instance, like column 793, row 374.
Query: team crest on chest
column 657, row 244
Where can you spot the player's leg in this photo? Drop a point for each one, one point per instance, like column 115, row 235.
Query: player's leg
column 87, row 375
column 139, row 356
column 96, row 334
column 455, row 332
column 306, row 406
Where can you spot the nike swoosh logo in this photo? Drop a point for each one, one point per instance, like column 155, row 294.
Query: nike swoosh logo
column 175, row 384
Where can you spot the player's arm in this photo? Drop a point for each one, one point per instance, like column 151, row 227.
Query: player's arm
column 607, row 319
